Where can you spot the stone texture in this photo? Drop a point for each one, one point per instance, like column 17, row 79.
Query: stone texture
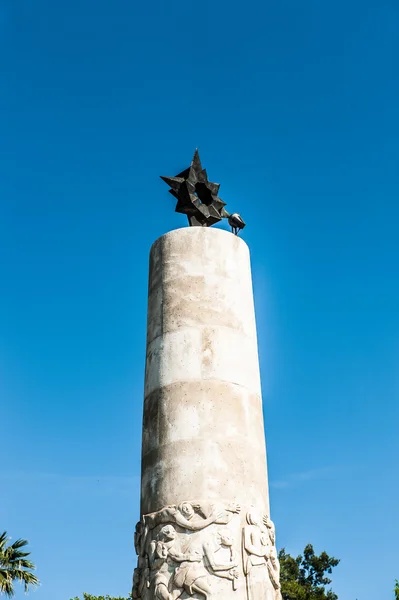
column 203, row 434
column 204, row 530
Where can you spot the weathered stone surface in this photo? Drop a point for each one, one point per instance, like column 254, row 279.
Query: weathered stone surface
column 195, row 275
column 203, row 439
column 203, row 424
column 205, row 528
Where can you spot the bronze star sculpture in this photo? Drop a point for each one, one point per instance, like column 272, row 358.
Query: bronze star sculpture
column 198, row 198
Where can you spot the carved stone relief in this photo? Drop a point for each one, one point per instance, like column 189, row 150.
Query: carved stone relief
column 181, row 547
column 260, row 562
column 183, row 550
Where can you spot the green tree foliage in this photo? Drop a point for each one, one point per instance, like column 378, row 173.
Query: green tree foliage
column 304, row 577
column 90, row 597
column 14, row 566
column 396, row 590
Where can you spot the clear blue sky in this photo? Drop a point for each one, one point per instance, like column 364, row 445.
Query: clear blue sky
column 294, row 106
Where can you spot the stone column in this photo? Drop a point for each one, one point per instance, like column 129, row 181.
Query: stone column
column 205, row 527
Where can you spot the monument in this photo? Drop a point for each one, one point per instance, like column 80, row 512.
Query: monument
column 205, row 530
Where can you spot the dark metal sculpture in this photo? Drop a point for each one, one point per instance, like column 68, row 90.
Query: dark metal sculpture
column 198, row 198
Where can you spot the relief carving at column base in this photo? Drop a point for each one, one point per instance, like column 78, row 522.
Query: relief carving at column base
column 181, row 547
column 187, row 550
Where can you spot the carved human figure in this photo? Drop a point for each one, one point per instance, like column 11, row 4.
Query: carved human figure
column 256, row 552
column 222, row 539
column 167, row 579
column 163, row 550
column 273, row 566
column 187, row 515
column 141, row 579
column 193, row 578
column 191, row 516
column 139, row 538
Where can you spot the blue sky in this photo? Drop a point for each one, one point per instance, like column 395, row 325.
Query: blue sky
column 294, row 106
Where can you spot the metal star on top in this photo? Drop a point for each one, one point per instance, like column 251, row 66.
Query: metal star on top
column 198, row 198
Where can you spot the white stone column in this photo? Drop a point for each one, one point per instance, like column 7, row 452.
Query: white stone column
column 204, row 482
